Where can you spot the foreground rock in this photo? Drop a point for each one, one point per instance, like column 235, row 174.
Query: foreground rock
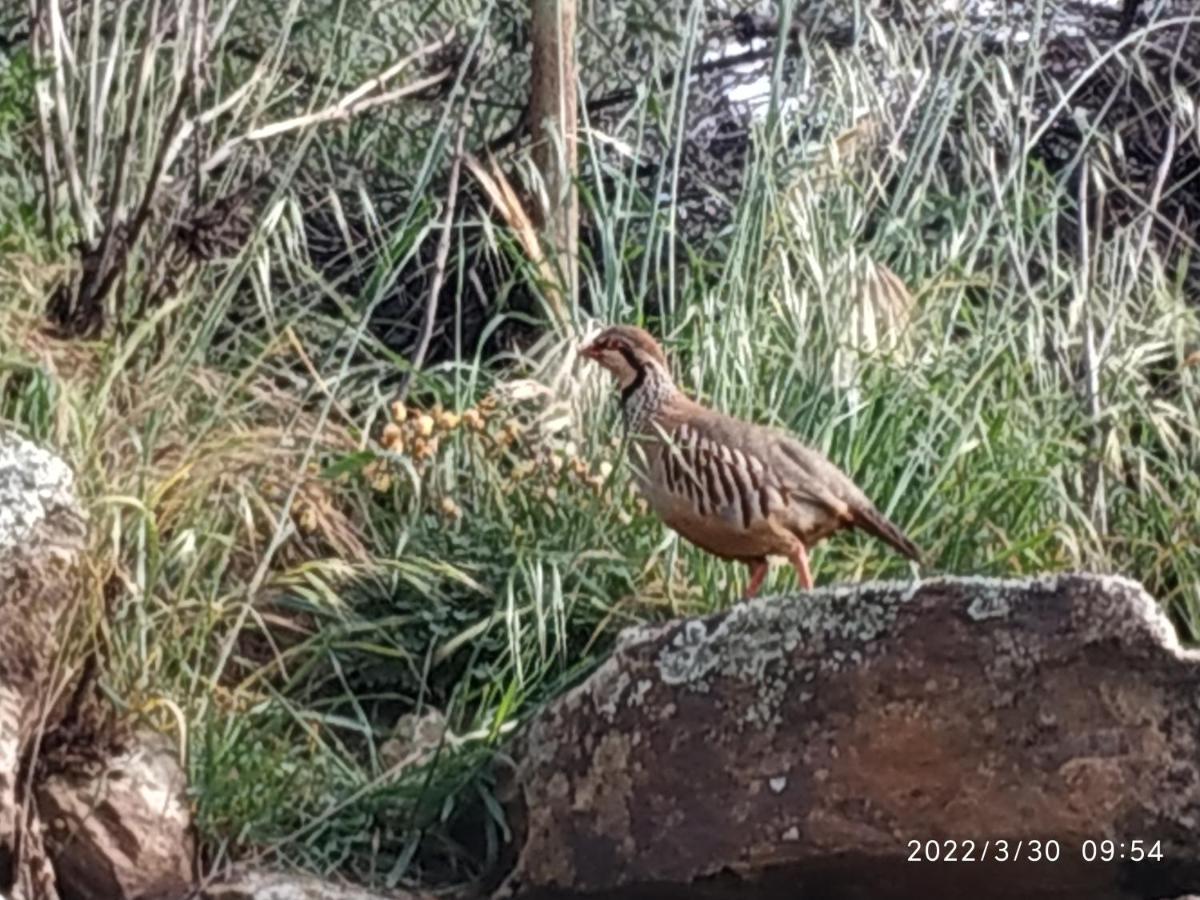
column 121, row 829
column 41, row 535
column 270, row 885
column 805, row 743
column 98, row 825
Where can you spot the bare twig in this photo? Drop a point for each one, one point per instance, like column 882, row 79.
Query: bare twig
column 375, row 84
column 85, row 218
column 316, row 377
column 199, row 58
column 96, row 291
column 1164, row 169
column 1094, row 470
column 335, row 113
column 629, row 95
column 1085, row 76
column 133, row 105
column 366, row 96
column 501, row 193
column 44, row 103
column 211, row 114
column 439, row 270
column 98, row 93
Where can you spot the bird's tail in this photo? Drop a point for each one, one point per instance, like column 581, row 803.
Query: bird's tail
column 874, row 522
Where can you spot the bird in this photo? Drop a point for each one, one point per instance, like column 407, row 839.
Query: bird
column 738, row 490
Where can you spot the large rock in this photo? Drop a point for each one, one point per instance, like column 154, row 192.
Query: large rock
column 122, row 829
column 41, row 535
column 803, row 743
column 108, row 819
column 265, row 884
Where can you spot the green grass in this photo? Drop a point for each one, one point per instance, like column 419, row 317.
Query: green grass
column 270, row 584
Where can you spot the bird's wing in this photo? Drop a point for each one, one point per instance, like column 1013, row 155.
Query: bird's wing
column 754, row 464
column 802, row 464
column 771, row 458
column 810, row 478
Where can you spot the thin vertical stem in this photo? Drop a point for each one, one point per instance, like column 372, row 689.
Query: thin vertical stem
column 1094, row 472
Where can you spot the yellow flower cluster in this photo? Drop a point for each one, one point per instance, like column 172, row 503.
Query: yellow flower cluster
column 547, row 466
column 417, row 434
column 567, row 459
column 532, row 461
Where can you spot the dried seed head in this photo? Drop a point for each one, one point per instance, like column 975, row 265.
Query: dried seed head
column 450, row 509
column 425, row 449
column 473, row 419
column 424, row 425
column 393, row 437
column 399, row 411
column 606, row 468
column 448, row 421
column 624, row 517
column 306, row 518
column 551, row 493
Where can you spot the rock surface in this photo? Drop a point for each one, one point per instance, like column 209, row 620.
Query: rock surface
column 41, row 535
column 268, row 885
column 804, row 743
column 124, row 830
column 34, row 486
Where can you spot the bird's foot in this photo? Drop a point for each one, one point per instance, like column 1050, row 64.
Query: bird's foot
column 758, row 572
column 799, row 559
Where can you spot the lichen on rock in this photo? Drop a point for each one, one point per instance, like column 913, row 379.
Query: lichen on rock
column 33, row 482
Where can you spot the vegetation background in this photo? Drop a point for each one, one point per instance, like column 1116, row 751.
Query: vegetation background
column 357, row 511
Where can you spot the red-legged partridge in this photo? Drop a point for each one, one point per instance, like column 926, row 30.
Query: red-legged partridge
column 738, row 490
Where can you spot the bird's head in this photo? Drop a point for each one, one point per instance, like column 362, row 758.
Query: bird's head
column 629, row 353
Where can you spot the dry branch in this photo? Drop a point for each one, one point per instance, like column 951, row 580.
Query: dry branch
column 366, row 96
column 500, row 191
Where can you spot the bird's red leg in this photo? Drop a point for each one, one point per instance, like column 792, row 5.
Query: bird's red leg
column 799, row 558
column 758, row 571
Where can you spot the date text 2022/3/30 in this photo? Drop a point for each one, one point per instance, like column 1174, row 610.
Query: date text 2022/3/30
column 969, row 850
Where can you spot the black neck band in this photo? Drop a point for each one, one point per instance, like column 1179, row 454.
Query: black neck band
column 639, row 377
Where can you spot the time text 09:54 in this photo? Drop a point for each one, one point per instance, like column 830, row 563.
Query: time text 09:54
column 1031, row 850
